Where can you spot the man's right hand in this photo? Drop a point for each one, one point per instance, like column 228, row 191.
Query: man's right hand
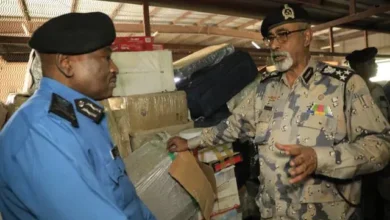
column 177, row 144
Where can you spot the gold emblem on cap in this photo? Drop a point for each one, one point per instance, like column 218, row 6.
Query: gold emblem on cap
column 321, row 97
column 288, row 12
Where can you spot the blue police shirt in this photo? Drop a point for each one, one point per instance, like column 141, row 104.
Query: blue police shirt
column 52, row 170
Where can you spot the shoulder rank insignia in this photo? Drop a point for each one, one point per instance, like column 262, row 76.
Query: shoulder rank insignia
column 63, row 108
column 270, row 75
column 341, row 73
column 90, row 109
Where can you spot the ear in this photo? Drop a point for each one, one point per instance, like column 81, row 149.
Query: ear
column 308, row 34
column 64, row 65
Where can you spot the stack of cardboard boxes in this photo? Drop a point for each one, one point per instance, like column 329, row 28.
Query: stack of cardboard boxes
column 221, row 159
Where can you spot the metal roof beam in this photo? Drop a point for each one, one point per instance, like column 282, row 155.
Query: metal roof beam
column 247, row 24
column 138, row 28
column 352, row 18
column 226, row 21
column 117, row 9
column 73, row 8
column 181, row 17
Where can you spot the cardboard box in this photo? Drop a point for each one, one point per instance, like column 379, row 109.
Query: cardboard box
column 143, row 72
column 3, row 114
column 219, row 152
column 117, row 128
column 132, row 44
column 158, row 47
column 218, row 165
column 227, row 199
column 151, row 111
column 137, row 139
column 198, row 179
column 14, row 101
column 224, row 176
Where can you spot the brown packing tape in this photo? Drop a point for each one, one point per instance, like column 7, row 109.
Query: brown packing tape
column 3, row 114
column 140, row 138
column 14, row 101
column 187, row 171
column 122, row 122
column 114, row 130
column 151, row 111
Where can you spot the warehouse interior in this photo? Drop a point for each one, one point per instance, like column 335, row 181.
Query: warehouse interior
column 178, row 29
column 187, row 26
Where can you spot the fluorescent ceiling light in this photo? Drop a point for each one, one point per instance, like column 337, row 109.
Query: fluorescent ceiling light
column 328, row 47
column 255, row 45
column 25, row 29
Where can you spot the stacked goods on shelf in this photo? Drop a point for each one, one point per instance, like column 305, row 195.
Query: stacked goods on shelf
column 222, row 160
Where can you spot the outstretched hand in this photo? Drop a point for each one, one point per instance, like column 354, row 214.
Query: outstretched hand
column 304, row 161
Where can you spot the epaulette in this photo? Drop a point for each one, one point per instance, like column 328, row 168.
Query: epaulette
column 90, row 109
column 64, row 109
column 269, row 75
column 341, row 73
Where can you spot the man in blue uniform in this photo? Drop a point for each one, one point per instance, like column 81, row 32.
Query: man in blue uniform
column 57, row 160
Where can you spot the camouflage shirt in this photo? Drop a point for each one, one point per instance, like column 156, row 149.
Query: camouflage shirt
column 327, row 108
column 378, row 94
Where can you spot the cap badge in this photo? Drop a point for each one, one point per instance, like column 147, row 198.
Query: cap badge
column 288, row 12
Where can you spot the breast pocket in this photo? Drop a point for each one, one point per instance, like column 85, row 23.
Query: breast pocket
column 115, row 171
column 119, row 182
column 316, row 130
column 262, row 126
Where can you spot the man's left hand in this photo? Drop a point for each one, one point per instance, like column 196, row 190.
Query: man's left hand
column 304, row 161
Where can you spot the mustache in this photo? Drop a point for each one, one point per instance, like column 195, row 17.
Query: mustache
column 280, row 53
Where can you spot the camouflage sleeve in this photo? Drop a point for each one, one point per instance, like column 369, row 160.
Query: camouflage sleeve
column 239, row 125
column 368, row 148
column 378, row 94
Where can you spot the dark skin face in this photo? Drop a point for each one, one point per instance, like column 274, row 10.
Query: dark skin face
column 92, row 74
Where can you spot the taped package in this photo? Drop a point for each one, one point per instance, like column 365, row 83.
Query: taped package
column 151, row 111
column 14, row 101
column 143, row 72
column 140, row 138
column 227, row 196
column 117, row 125
column 164, row 185
column 219, row 152
column 209, row 56
column 3, row 115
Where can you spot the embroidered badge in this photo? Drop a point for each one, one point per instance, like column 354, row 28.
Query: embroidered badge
column 90, row 109
column 318, row 109
column 288, row 12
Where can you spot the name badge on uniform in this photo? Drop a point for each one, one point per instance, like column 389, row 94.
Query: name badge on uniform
column 114, row 152
column 268, row 108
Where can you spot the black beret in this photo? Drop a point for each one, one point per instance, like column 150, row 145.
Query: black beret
column 288, row 13
column 360, row 56
column 74, row 33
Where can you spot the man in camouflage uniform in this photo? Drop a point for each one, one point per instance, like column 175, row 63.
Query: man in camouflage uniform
column 315, row 125
column 363, row 62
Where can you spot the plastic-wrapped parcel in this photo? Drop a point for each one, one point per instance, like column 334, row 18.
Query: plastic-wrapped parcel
column 206, row 57
column 148, row 170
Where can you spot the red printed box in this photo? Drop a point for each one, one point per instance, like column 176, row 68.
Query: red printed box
column 132, row 44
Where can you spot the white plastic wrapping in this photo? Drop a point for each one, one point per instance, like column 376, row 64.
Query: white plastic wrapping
column 148, row 170
column 33, row 73
column 206, row 57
